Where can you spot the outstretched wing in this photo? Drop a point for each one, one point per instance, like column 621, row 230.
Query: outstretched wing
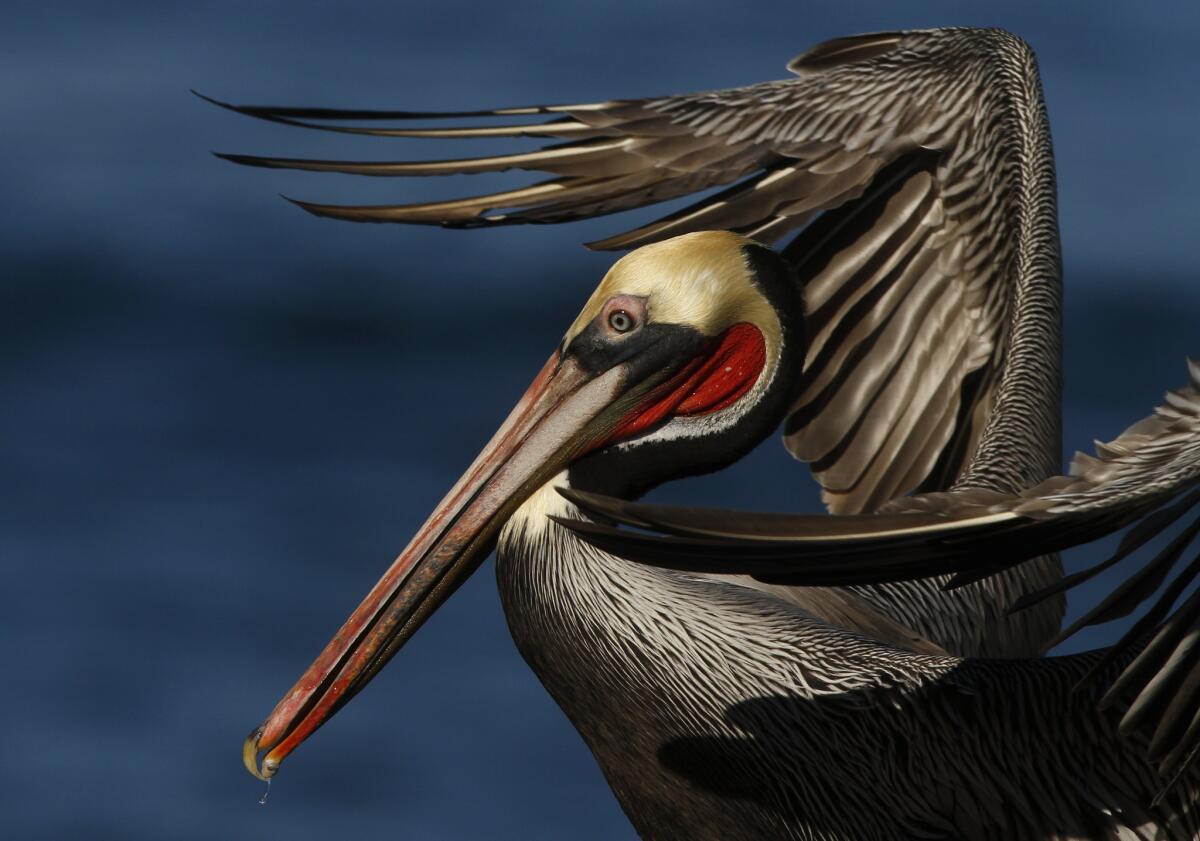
column 1147, row 476
column 912, row 146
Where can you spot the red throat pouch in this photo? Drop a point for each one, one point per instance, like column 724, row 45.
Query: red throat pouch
column 712, row 381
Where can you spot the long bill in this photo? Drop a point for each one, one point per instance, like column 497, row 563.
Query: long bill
column 564, row 412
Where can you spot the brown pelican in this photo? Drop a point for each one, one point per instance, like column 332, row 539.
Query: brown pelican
column 909, row 339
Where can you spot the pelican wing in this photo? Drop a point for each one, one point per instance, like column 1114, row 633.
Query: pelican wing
column 1147, row 477
column 907, row 149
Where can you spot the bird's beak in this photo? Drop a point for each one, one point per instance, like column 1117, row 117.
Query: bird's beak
column 565, row 412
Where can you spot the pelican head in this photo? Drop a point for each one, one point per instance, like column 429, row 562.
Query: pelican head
column 680, row 362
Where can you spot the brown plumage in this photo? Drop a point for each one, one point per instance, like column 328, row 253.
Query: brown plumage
column 931, row 273
column 933, row 142
column 1147, row 475
column 923, row 358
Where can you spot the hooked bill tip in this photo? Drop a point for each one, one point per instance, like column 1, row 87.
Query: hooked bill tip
column 250, row 756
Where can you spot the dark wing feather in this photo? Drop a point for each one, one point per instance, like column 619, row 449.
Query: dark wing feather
column 893, row 336
column 893, row 141
column 1148, row 476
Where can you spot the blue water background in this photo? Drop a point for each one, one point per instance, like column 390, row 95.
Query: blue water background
column 221, row 418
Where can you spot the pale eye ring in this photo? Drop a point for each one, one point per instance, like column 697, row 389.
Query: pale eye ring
column 621, row 321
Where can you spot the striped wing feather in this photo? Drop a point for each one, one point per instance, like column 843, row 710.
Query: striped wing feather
column 889, row 140
column 1148, row 476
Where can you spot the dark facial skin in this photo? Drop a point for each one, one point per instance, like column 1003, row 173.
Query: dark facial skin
column 659, row 350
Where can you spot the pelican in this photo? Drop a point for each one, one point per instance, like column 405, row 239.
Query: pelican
column 756, row 676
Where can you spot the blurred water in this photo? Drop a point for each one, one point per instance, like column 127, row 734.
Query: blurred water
column 222, row 417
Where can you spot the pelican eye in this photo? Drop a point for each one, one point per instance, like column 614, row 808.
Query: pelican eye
column 621, row 321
